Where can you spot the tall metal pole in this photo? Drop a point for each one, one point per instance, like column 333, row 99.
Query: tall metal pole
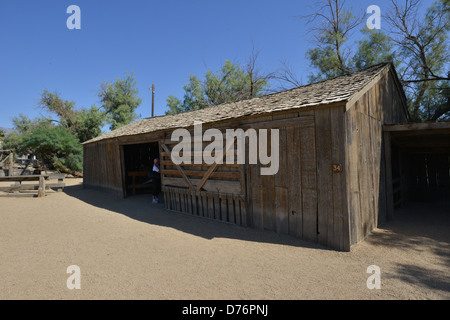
column 153, row 100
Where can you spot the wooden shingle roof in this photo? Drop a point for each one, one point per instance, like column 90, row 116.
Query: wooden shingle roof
column 339, row 89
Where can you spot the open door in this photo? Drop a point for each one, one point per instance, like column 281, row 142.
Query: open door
column 138, row 163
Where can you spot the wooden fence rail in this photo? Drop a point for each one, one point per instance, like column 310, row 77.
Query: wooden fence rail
column 17, row 189
column 225, row 207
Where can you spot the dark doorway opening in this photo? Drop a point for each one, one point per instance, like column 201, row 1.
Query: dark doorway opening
column 138, row 162
column 421, row 165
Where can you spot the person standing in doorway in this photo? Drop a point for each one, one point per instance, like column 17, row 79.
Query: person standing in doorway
column 156, row 177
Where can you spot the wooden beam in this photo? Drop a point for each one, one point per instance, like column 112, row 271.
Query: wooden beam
column 417, row 126
column 191, row 173
column 166, row 149
column 213, row 167
column 194, row 165
column 19, row 195
column 27, row 187
column 24, row 178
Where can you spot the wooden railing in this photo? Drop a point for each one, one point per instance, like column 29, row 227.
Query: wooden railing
column 226, row 207
column 19, row 190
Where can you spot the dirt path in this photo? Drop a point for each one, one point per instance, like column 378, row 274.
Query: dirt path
column 133, row 249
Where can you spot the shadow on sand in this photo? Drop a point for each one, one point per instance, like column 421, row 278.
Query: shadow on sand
column 416, row 226
column 141, row 208
column 420, row 227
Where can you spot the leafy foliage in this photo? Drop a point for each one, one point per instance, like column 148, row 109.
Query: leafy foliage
column 85, row 124
column 418, row 47
column 375, row 47
column 229, row 84
column 332, row 24
column 54, row 145
column 120, row 100
column 57, row 140
column 12, row 141
column 88, row 123
column 24, row 125
column 423, row 49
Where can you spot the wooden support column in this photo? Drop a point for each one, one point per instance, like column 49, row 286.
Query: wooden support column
column 389, row 185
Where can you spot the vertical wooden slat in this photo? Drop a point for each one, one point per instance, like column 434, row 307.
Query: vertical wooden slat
column 351, row 168
column 282, row 174
column 294, row 182
column 281, row 210
column 194, row 203
column 364, row 178
column 237, row 209
column 216, row 198
column 223, row 207
column 182, row 202
column 179, row 201
column 309, row 183
column 325, row 218
column 204, row 204
column 189, row 201
column 230, row 209
column 341, row 226
column 268, row 202
column 173, row 200
column 210, row 206
column 257, row 212
column 243, row 178
column 243, row 206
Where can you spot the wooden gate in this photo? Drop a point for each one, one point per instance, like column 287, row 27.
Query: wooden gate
column 214, row 191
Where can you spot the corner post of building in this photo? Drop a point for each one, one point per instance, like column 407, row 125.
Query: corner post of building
column 389, row 183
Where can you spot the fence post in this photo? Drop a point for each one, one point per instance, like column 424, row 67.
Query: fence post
column 11, row 164
column 41, row 190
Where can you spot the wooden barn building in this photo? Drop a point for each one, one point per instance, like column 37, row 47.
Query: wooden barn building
column 334, row 184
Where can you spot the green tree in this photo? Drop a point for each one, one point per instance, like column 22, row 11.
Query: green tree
column 120, row 100
column 375, row 47
column 422, row 43
column 418, row 47
column 229, row 84
column 23, row 124
column 194, row 97
column 332, row 25
column 64, row 109
column 85, row 124
column 88, row 123
column 55, row 146
column 12, row 141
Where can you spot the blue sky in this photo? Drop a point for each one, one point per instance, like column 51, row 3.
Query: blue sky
column 162, row 42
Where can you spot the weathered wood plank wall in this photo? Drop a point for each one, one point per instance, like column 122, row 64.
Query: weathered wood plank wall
column 368, row 178
column 305, row 199
column 102, row 166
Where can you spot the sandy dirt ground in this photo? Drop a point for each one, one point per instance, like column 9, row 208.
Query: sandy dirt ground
column 133, row 249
